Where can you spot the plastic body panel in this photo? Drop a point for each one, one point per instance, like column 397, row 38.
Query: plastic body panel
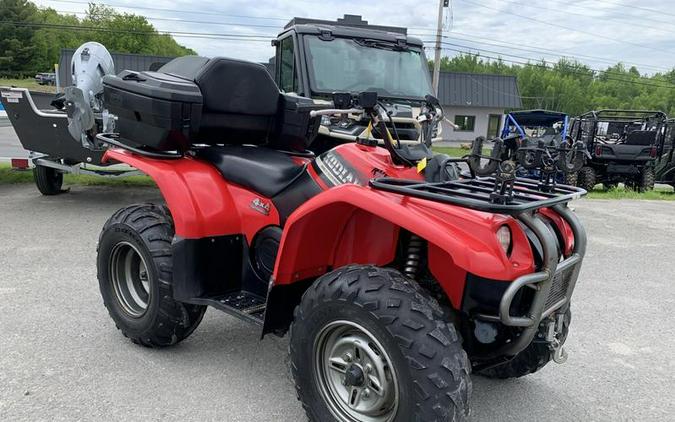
column 346, row 222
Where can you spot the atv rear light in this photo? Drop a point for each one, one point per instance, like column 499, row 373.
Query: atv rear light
column 652, row 152
column 598, row 150
column 504, row 237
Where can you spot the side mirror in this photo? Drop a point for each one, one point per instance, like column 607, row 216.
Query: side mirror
column 342, row 100
column 368, row 99
column 431, row 100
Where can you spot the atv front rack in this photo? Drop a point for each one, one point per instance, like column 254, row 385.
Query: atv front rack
column 483, row 193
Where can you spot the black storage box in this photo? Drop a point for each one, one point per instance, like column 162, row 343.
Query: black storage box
column 195, row 100
column 154, row 109
column 295, row 129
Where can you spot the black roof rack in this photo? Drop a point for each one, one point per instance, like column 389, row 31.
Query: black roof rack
column 477, row 193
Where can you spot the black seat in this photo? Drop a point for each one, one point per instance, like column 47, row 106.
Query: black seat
column 263, row 170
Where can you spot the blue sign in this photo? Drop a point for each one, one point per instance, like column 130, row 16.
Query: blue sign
column 1, row 107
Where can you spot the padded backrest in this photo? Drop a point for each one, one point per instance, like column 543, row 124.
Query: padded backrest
column 641, row 137
column 237, row 87
column 229, row 86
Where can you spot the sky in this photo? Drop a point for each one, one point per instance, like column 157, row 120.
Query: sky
column 598, row 33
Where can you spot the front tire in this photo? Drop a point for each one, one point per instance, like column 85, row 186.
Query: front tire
column 368, row 344
column 135, row 277
column 48, row 180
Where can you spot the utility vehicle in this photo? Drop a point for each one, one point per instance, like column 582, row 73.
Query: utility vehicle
column 315, row 58
column 394, row 275
column 537, row 142
column 622, row 147
column 665, row 161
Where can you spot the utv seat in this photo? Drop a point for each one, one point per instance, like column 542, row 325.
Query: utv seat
column 263, row 170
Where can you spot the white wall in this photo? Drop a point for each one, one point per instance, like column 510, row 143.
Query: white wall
column 480, row 128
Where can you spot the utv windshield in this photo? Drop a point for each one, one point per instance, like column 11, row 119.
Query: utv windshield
column 358, row 65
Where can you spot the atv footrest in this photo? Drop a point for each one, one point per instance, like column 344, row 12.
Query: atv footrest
column 242, row 304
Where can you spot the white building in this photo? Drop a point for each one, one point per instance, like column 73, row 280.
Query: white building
column 476, row 103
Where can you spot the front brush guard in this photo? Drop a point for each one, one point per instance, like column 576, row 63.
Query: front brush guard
column 542, row 281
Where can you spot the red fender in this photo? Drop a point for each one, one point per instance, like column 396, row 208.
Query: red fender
column 356, row 224
column 202, row 203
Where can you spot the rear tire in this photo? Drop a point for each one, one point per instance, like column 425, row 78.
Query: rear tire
column 135, row 277
column 48, row 180
column 533, row 358
column 421, row 371
column 646, row 179
column 587, row 178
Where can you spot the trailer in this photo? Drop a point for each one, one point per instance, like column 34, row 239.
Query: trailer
column 59, row 131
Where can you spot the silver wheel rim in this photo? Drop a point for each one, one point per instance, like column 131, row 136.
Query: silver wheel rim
column 130, row 279
column 355, row 374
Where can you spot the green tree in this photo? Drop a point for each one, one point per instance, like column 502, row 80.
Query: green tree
column 16, row 47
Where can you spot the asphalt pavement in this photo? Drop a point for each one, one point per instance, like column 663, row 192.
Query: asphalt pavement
column 61, row 357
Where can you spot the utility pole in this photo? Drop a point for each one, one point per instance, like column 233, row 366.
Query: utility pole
column 439, row 37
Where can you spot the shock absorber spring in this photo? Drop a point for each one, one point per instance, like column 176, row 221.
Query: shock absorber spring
column 413, row 257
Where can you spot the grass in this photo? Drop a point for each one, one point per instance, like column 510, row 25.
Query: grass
column 27, row 83
column 451, row 151
column 659, row 193
column 9, row 176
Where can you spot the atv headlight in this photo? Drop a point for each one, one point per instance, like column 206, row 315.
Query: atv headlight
column 325, row 121
column 504, row 237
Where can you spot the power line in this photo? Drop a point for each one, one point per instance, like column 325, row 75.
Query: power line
column 569, row 28
column 545, row 64
column 576, row 56
column 209, row 36
column 660, row 12
column 162, row 9
column 237, row 37
column 539, row 50
column 567, row 12
column 179, row 20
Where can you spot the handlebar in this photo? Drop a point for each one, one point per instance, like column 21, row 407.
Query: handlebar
column 332, row 111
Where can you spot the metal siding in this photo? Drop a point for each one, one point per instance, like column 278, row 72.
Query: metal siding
column 478, row 90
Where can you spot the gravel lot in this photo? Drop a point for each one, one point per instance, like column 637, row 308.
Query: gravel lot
column 61, row 358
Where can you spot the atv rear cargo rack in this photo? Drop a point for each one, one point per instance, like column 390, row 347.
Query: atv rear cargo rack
column 482, row 194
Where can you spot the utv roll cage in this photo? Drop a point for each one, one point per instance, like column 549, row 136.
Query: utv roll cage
column 516, row 120
column 665, row 161
column 659, row 119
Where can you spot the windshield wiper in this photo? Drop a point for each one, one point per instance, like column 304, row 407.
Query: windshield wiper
column 384, row 45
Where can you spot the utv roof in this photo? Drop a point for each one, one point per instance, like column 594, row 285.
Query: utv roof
column 610, row 114
column 351, row 26
column 538, row 117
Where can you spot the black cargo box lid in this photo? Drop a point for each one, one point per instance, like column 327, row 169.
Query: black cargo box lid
column 157, row 85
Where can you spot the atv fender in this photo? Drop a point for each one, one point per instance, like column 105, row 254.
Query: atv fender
column 352, row 224
column 201, row 202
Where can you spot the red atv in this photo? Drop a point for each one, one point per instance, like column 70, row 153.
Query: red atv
column 395, row 274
